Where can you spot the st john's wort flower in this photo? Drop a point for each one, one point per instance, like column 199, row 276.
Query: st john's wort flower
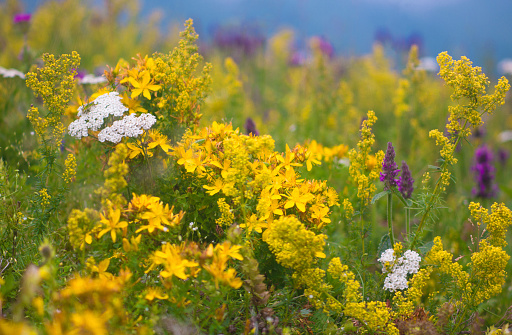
column 405, row 182
column 389, row 168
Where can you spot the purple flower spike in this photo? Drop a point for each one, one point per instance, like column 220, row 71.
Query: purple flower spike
column 484, row 171
column 24, row 17
column 389, row 169
column 405, row 182
column 503, row 156
column 250, row 127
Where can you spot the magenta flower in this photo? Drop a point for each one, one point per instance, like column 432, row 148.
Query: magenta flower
column 23, row 17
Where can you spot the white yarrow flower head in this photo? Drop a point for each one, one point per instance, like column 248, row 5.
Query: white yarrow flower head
column 11, row 73
column 129, row 126
column 92, row 116
column 398, row 269
column 90, row 79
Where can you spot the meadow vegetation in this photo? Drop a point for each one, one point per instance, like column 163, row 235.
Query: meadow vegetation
column 157, row 184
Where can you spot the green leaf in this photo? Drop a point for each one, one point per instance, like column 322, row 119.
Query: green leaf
column 407, row 203
column 385, row 244
column 380, row 195
column 426, row 247
column 305, row 312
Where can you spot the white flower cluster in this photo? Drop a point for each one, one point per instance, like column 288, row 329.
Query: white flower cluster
column 129, row 126
column 11, row 73
column 400, row 268
column 92, row 117
column 91, row 79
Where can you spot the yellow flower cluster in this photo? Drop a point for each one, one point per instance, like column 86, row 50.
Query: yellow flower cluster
column 45, row 197
column 186, row 261
column 166, row 84
column 348, row 208
column 406, row 301
column 294, row 246
column 318, row 152
column 247, row 169
column 182, row 91
column 218, row 266
column 55, row 84
column 358, row 161
column 488, row 263
column 496, row 223
column 92, row 306
column 81, row 227
column 443, row 260
column 227, row 216
column 374, row 315
column 70, row 172
column 114, row 175
column 470, row 83
column 447, row 146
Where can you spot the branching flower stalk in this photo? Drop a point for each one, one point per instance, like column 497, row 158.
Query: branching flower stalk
column 469, row 85
column 54, row 83
column 362, row 174
column 388, row 176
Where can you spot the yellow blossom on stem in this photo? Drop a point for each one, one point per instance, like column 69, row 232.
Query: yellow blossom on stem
column 153, row 293
column 296, row 198
column 112, row 223
column 144, row 86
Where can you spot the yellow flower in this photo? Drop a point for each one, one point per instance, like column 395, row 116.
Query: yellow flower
column 101, row 269
column 173, row 263
column 132, row 104
column 189, row 160
column 135, row 150
column 225, row 250
column 142, row 202
column 89, row 322
column 112, row 223
column 218, row 186
column 144, row 86
column 156, row 216
column 155, row 292
column 311, row 159
column 216, row 269
column 252, row 223
column 298, row 199
column 158, row 139
column 133, row 244
column 320, row 213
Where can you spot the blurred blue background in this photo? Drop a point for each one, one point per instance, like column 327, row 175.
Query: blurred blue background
column 481, row 30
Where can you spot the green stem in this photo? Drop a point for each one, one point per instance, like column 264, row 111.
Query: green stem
column 390, row 218
column 362, row 227
column 436, row 192
column 407, row 223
